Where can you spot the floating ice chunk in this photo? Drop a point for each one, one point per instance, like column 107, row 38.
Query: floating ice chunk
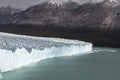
column 1, row 76
column 17, row 51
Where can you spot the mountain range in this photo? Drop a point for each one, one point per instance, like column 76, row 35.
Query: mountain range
column 94, row 22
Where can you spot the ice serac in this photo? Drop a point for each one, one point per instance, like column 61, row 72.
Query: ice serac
column 17, row 51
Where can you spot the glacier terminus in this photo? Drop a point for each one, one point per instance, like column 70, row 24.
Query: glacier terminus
column 18, row 50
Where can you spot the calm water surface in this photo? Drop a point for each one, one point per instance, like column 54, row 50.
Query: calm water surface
column 102, row 64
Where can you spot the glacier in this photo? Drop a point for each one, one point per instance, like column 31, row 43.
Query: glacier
column 20, row 50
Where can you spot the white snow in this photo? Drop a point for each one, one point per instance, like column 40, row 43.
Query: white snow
column 28, row 49
column 58, row 2
column 113, row 0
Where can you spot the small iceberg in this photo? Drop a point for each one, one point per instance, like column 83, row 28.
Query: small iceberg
column 1, row 76
column 18, row 50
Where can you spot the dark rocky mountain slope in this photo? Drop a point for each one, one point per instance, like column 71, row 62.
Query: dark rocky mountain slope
column 6, row 14
column 94, row 22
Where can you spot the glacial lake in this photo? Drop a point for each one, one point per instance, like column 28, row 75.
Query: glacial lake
column 101, row 64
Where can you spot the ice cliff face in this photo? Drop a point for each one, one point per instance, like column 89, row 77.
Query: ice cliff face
column 17, row 51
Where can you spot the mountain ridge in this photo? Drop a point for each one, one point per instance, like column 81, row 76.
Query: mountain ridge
column 93, row 22
column 47, row 12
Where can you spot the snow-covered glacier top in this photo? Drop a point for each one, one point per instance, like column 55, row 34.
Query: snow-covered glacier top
column 12, row 42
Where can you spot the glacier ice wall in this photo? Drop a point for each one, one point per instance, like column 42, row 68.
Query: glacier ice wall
column 17, row 50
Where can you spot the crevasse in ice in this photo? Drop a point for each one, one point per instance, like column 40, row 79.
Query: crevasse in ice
column 18, row 50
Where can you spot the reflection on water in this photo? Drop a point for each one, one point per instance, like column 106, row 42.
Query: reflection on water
column 102, row 64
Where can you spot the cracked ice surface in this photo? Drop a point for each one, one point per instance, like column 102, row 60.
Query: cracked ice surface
column 18, row 50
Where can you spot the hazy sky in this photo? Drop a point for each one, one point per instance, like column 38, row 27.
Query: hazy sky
column 26, row 3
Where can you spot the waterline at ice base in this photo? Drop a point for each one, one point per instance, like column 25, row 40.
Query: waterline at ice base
column 18, row 50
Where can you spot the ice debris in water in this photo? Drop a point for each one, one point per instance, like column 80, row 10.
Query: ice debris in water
column 1, row 76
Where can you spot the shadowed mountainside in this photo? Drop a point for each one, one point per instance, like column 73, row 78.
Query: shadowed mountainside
column 6, row 14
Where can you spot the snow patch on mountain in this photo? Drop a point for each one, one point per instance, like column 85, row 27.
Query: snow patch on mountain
column 59, row 2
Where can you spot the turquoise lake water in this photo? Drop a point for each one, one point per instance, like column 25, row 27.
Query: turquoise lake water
column 101, row 64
